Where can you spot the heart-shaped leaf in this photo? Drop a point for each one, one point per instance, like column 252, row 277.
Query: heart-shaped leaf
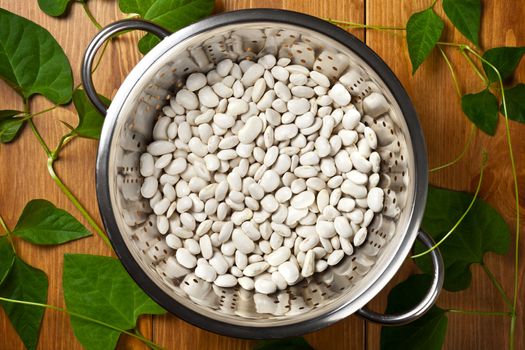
column 26, row 283
column 423, row 32
column 425, row 333
column 515, row 98
column 466, row 17
column 54, row 7
column 98, row 287
column 296, row 343
column 170, row 14
column 482, row 230
column 43, row 223
column 9, row 125
column 7, row 258
column 482, row 109
column 505, row 59
column 90, row 120
column 34, row 62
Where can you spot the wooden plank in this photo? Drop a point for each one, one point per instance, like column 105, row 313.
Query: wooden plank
column 26, row 177
column 446, row 129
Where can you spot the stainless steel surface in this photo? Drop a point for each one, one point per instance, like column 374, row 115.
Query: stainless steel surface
column 105, row 34
column 317, row 301
column 424, row 305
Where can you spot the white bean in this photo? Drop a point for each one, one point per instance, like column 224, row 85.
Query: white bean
column 290, row 272
column 298, row 106
column 279, row 256
column 242, row 242
column 335, row 257
column 250, row 130
column 325, row 229
column 375, row 199
column 262, row 172
column 225, row 281
column 255, row 268
column 342, row 227
column 206, row 272
column 270, row 181
column 185, row 258
column 303, row 200
column 265, row 285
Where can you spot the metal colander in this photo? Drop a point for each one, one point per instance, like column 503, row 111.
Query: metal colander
column 318, row 300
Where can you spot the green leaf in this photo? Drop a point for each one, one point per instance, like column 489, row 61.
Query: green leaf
column 43, row 223
column 423, row 32
column 7, row 258
column 98, row 287
column 427, row 332
column 135, row 6
column 482, row 230
column 482, row 109
column 90, row 120
column 54, row 8
column 297, row 343
column 505, row 59
column 170, row 14
column 466, row 17
column 32, row 60
column 26, row 283
column 515, row 98
column 9, row 125
column 147, row 42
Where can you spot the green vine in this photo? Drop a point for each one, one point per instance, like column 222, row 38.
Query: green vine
column 136, row 335
column 88, row 13
column 431, row 27
column 465, row 213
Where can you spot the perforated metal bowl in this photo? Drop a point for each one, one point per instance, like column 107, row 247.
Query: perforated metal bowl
column 316, row 301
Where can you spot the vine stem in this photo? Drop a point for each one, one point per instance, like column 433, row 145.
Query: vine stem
column 475, row 68
column 443, row 43
column 480, row 313
column 4, row 226
column 76, row 203
column 516, row 195
column 461, row 155
column 102, row 52
column 496, row 284
column 86, row 318
column 462, row 217
column 39, row 138
column 64, row 140
column 51, row 157
column 99, row 60
column 452, row 72
column 30, row 116
column 90, row 14
column 472, row 128
column 8, row 232
column 361, row 25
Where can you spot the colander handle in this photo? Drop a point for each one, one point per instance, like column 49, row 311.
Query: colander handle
column 105, row 34
column 427, row 302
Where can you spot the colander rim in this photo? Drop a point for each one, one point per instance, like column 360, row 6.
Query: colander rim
column 416, row 208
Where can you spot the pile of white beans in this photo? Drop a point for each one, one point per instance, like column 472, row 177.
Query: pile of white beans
column 261, row 174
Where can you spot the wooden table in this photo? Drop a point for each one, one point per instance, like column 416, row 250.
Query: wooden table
column 23, row 174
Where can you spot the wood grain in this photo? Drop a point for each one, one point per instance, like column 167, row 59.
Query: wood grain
column 24, row 177
column 446, row 129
